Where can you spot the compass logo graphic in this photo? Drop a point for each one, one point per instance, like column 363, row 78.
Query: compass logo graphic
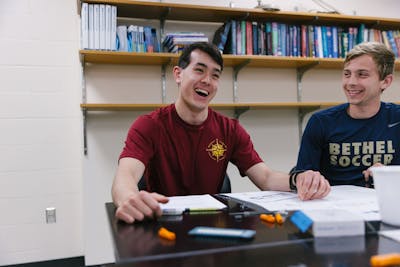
column 216, row 150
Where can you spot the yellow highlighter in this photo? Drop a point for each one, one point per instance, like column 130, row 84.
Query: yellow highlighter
column 385, row 260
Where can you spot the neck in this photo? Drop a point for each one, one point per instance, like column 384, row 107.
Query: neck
column 191, row 115
column 363, row 112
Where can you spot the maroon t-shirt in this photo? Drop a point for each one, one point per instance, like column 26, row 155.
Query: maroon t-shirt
column 184, row 159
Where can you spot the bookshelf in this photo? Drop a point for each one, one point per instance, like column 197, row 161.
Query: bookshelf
column 161, row 11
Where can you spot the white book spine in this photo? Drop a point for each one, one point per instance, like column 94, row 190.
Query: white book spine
column 108, row 27
column 113, row 28
column 141, row 39
column 122, row 38
column 85, row 26
column 102, row 29
column 91, row 27
column 96, row 18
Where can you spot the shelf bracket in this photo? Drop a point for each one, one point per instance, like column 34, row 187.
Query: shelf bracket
column 235, row 73
column 302, row 111
column 84, row 124
column 163, row 83
column 84, row 100
column 240, row 111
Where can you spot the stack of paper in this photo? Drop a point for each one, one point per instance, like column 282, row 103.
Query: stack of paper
column 335, row 222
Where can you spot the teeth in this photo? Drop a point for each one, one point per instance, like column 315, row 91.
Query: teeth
column 202, row 92
column 353, row 92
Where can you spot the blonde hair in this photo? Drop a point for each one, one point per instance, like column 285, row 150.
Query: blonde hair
column 383, row 57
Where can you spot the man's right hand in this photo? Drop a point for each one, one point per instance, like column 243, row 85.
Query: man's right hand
column 139, row 206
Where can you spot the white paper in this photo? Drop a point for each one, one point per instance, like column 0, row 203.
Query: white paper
column 392, row 234
column 356, row 199
column 178, row 204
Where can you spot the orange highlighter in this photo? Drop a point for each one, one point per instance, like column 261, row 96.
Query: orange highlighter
column 385, row 260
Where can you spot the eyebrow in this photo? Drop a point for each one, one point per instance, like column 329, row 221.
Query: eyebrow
column 358, row 70
column 205, row 66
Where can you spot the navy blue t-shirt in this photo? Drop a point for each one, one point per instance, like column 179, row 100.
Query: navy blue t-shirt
column 340, row 147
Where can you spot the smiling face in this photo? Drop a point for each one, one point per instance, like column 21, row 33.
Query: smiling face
column 198, row 84
column 362, row 86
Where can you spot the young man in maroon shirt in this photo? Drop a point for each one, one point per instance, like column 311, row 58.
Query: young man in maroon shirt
column 185, row 148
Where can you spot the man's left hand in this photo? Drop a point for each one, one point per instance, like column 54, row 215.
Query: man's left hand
column 312, row 185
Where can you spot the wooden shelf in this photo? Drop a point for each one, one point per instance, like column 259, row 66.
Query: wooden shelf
column 223, row 106
column 200, row 13
column 258, row 61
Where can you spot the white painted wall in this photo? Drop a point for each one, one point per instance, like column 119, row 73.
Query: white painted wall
column 40, row 129
column 42, row 162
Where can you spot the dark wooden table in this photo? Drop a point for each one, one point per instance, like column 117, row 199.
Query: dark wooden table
column 274, row 245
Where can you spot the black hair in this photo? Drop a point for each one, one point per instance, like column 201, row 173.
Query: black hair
column 210, row 49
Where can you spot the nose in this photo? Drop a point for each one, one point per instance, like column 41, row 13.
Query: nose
column 206, row 79
column 351, row 79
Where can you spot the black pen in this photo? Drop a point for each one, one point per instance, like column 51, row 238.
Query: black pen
column 244, row 213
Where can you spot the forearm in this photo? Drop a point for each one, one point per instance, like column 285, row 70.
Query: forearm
column 128, row 173
column 123, row 187
column 268, row 179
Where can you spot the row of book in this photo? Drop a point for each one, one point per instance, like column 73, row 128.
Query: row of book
column 135, row 38
column 98, row 26
column 99, row 31
column 280, row 39
column 175, row 41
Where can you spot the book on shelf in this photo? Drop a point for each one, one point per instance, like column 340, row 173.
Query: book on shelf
column 85, row 26
column 243, row 37
column 238, row 38
column 232, row 40
column 335, row 46
column 255, row 36
column 133, row 38
column 268, row 38
column 122, row 38
column 98, row 26
column 91, row 26
column 108, row 27
column 221, row 36
column 148, row 40
column 302, row 40
column 96, row 21
column 175, row 41
column 102, row 27
column 392, row 42
column 113, row 30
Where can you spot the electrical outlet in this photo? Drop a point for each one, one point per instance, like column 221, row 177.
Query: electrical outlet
column 51, row 215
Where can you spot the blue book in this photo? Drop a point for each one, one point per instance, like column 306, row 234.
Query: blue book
column 254, row 26
column 221, row 36
column 233, row 37
column 335, row 42
column 268, row 38
column 329, row 42
column 392, row 42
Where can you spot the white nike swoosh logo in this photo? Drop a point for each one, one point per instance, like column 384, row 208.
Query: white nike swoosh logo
column 393, row 124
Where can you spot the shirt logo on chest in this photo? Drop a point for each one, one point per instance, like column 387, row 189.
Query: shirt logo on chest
column 216, row 150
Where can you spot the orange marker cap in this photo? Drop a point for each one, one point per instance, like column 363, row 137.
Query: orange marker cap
column 164, row 233
column 385, row 259
column 267, row 218
column 279, row 218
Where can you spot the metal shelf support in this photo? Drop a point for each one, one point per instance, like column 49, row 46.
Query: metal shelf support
column 302, row 111
column 236, row 70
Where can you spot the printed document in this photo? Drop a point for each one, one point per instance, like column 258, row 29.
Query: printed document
column 356, row 199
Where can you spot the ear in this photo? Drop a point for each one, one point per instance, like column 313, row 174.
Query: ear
column 386, row 82
column 177, row 72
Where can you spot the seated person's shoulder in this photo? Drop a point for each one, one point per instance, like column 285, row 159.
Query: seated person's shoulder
column 331, row 112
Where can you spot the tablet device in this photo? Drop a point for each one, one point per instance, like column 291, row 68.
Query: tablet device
column 206, row 231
